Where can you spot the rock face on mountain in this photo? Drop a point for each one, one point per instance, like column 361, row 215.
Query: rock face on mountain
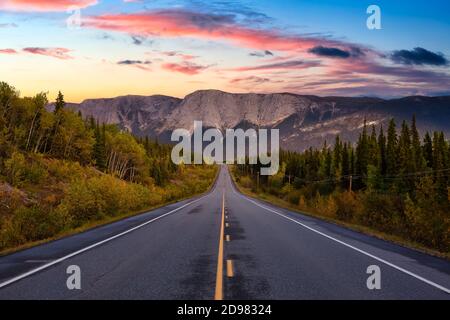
column 303, row 120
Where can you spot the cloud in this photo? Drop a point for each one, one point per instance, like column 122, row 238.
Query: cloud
column 240, row 11
column 44, row 5
column 132, row 62
column 137, row 40
column 181, row 55
column 139, row 64
column 419, row 56
column 250, row 80
column 8, row 51
column 174, row 23
column 8, row 25
column 188, row 68
column 59, row 53
column 289, row 65
column 264, row 53
column 330, row 52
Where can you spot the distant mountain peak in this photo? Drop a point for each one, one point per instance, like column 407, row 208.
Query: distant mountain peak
column 303, row 120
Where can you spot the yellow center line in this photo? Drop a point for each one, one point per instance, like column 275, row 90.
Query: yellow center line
column 230, row 272
column 219, row 276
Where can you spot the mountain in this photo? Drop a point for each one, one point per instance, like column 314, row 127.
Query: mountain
column 303, row 120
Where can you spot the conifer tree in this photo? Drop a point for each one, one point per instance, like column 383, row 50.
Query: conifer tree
column 391, row 149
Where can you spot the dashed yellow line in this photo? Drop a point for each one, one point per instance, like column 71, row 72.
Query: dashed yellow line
column 230, row 272
column 219, row 276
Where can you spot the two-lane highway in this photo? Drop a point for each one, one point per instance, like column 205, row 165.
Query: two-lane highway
column 222, row 245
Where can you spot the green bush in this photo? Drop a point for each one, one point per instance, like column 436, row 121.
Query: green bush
column 31, row 224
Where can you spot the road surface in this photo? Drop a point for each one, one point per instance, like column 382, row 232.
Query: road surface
column 222, row 245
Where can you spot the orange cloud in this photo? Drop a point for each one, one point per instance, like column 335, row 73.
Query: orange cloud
column 44, row 5
column 59, row 53
column 182, row 23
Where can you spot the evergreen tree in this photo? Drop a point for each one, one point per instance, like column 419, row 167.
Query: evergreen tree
column 346, row 168
column 417, row 153
column 337, row 156
column 382, row 152
column 428, row 150
column 60, row 103
column 362, row 156
column 373, row 148
column 440, row 163
column 391, row 149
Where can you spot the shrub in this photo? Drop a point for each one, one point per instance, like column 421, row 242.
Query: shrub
column 19, row 171
column 15, row 169
column 348, row 206
column 246, row 182
column 32, row 224
column 382, row 211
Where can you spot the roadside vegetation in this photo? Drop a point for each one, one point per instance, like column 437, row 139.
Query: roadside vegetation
column 394, row 184
column 60, row 172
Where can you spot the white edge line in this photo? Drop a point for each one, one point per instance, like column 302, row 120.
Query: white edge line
column 45, row 266
column 429, row 282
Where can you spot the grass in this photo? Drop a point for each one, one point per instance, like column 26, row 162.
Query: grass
column 352, row 226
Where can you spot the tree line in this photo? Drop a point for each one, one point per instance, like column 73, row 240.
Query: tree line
column 393, row 180
column 27, row 125
column 60, row 171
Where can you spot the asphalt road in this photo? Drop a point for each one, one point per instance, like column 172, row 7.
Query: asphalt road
column 222, row 245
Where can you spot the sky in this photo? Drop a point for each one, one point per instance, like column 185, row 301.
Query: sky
column 107, row 48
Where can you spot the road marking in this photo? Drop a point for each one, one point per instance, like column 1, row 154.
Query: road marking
column 227, row 238
column 218, row 295
column 416, row 276
column 230, row 273
column 227, row 224
column 54, row 262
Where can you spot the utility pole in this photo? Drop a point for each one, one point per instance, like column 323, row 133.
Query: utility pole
column 350, row 184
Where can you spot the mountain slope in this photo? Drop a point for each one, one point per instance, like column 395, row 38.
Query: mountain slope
column 303, row 120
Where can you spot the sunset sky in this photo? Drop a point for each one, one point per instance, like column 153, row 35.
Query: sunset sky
column 176, row 47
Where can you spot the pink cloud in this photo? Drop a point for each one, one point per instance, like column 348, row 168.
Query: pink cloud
column 44, row 5
column 59, row 53
column 185, row 67
column 287, row 65
column 8, row 51
column 181, row 23
column 183, row 56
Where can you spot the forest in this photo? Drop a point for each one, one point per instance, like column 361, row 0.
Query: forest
column 61, row 172
column 391, row 181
